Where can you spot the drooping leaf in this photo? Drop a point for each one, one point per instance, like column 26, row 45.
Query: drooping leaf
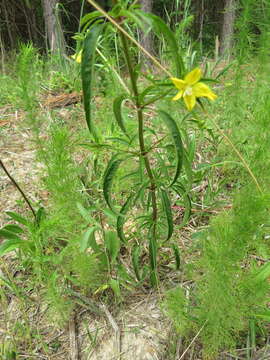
column 173, row 128
column 10, row 245
column 84, row 212
column 117, row 110
column 9, row 235
column 88, row 18
column 153, row 253
column 88, row 57
column 136, row 261
column 112, row 244
column 15, row 216
column 121, row 219
column 115, row 286
column 13, row 228
column 88, row 240
column 177, row 256
column 168, row 212
column 108, row 180
column 160, row 28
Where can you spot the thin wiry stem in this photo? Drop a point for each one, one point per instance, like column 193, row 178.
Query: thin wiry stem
column 238, row 154
column 18, row 188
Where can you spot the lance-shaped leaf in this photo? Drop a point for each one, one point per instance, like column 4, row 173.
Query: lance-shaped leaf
column 160, row 28
column 177, row 256
column 88, row 57
column 168, row 212
column 88, row 240
column 90, row 17
column 112, row 244
column 135, row 255
column 121, row 219
column 10, row 245
column 117, row 110
column 108, row 180
column 153, row 253
column 6, row 234
column 173, row 128
column 181, row 191
column 20, row 219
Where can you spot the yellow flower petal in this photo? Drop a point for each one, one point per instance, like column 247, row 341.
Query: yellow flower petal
column 178, row 83
column 193, row 77
column 200, row 89
column 178, row 95
column 77, row 57
column 190, row 101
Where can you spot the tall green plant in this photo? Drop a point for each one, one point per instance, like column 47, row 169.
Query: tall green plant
column 154, row 178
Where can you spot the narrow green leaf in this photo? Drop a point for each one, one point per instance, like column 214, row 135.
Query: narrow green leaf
column 265, row 315
column 9, row 235
column 181, row 191
column 153, row 253
column 117, row 110
column 112, row 244
column 168, row 212
column 173, row 128
column 136, row 251
column 88, row 240
column 10, row 245
column 13, row 228
column 263, row 272
column 160, row 28
column 115, row 286
column 15, row 216
column 121, row 219
column 89, row 17
column 108, row 180
column 88, row 57
column 40, row 215
column 84, row 212
column 177, row 256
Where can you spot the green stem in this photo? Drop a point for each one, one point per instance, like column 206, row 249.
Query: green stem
column 18, row 187
column 143, row 151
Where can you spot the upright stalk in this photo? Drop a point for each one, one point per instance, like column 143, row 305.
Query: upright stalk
column 143, row 152
column 14, row 182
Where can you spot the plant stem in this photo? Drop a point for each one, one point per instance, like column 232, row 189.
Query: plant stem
column 18, row 188
column 143, row 151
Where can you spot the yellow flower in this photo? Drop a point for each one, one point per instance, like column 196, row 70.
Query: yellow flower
column 191, row 88
column 77, row 57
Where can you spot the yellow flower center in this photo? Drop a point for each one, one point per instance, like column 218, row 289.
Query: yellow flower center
column 188, row 91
